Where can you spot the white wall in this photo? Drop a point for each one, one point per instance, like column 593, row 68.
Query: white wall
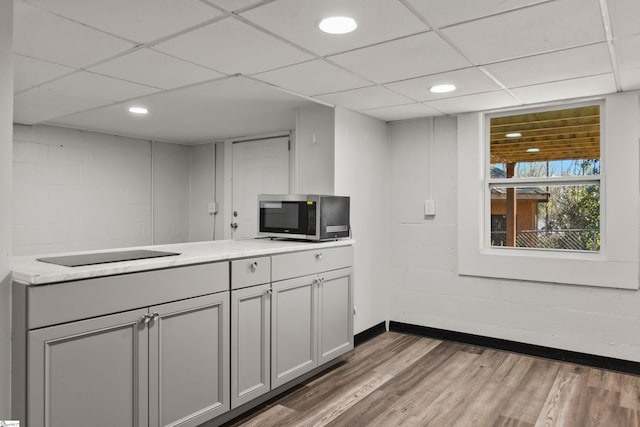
column 221, row 187
column 427, row 290
column 79, row 190
column 201, row 192
column 170, row 193
column 314, row 150
column 362, row 172
column 6, row 118
column 76, row 190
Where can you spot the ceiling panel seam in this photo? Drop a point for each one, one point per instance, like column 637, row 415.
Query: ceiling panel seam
column 606, row 21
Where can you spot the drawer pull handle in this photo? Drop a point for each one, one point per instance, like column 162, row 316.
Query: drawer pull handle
column 253, row 266
column 146, row 318
column 319, row 256
column 268, row 291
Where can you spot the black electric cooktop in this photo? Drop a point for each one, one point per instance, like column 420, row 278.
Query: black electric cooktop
column 104, row 257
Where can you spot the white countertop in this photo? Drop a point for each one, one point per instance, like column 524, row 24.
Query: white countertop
column 27, row 269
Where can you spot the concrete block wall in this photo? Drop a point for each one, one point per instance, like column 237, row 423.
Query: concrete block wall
column 201, row 191
column 362, row 172
column 76, row 190
column 426, row 289
column 170, row 193
column 6, row 147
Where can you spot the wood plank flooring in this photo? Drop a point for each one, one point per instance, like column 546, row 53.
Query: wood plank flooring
column 405, row 380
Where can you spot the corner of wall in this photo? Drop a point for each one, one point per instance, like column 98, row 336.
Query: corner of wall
column 6, row 157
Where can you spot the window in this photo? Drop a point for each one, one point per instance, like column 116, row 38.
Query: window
column 579, row 215
column 543, row 179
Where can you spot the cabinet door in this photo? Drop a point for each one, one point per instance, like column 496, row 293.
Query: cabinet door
column 293, row 326
column 335, row 318
column 89, row 373
column 250, row 343
column 189, row 361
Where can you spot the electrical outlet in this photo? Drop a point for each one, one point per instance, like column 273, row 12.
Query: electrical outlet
column 212, row 207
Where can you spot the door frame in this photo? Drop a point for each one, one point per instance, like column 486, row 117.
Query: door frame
column 227, row 212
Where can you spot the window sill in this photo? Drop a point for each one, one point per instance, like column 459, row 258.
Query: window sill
column 573, row 269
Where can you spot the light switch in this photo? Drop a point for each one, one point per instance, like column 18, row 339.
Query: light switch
column 212, row 207
column 429, row 207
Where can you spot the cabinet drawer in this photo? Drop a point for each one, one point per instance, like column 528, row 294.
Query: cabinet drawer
column 297, row 264
column 250, row 271
column 81, row 299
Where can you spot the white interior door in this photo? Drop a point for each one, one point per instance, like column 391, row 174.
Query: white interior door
column 259, row 167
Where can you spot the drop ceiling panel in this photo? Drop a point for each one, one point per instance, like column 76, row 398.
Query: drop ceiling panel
column 542, row 28
column 467, row 81
column 368, row 97
column 297, row 21
column 564, row 64
column 446, row 12
column 403, row 59
column 92, row 85
column 156, row 69
column 80, row 91
column 624, row 17
column 630, row 79
column 476, row 102
column 209, row 111
column 29, row 72
column 29, row 114
column 138, row 20
column 51, row 104
column 39, row 34
column 567, row 89
column 401, row 112
column 627, row 50
column 313, row 78
column 230, row 46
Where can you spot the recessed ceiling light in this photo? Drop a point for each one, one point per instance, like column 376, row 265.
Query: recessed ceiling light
column 443, row 88
column 338, row 25
column 138, row 110
column 513, row 135
column 533, row 150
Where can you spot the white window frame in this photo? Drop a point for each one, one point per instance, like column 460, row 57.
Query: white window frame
column 616, row 265
column 516, row 182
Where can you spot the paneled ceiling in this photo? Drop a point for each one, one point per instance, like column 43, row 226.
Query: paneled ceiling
column 214, row 69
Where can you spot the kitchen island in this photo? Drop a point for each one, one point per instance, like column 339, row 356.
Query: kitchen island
column 179, row 340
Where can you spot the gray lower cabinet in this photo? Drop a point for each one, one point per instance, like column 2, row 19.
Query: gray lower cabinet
column 189, row 361
column 89, row 373
column 167, row 365
column 335, row 315
column 250, row 343
column 293, row 329
column 311, row 322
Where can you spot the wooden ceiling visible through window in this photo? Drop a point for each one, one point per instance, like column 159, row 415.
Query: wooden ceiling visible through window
column 568, row 134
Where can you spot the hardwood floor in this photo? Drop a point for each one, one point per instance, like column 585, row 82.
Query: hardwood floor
column 405, row 380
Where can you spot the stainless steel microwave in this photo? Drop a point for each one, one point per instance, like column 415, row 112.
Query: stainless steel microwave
column 303, row 216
